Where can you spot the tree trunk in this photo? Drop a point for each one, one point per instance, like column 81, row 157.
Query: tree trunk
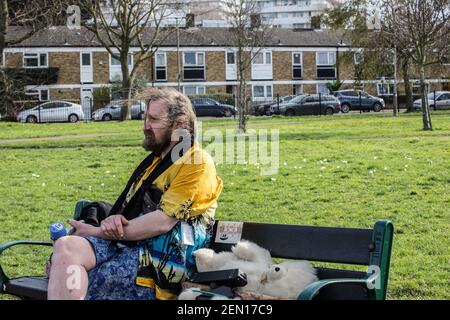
column 408, row 88
column 241, row 96
column 242, row 105
column 425, row 108
column 3, row 25
column 3, row 77
column 127, row 84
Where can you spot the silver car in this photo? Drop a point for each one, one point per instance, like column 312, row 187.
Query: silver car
column 52, row 111
column 442, row 101
column 113, row 111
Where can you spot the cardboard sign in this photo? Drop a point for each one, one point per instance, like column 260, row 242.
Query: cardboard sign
column 229, row 232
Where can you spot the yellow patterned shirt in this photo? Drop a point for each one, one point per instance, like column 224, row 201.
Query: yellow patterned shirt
column 190, row 186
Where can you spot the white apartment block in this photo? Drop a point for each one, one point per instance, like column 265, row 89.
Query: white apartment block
column 290, row 13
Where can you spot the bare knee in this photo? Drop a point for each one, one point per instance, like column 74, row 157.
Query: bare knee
column 74, row 250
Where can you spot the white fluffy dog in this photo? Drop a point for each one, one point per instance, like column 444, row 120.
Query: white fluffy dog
column 285, row 280
column 288, row 279
column 245, row 256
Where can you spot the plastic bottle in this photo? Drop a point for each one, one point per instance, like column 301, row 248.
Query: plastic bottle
column 57, row 230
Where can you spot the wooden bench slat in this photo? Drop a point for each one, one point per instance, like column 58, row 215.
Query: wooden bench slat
column 326, row 244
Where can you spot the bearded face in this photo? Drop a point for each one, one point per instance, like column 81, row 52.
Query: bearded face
column 157, row 129
column 156, row 144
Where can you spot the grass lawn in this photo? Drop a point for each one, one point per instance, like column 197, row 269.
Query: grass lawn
column 334, row 171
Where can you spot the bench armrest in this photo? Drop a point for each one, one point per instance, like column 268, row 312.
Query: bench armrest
column 314, row 288
column 14, row 243
column 3, row 277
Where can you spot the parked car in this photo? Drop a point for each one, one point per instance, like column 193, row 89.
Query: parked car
column 263, row 109
column 213, row 108
column 358, row 100
column 113, row 111
column 52, row 111
column 442, row 101
column 311, row 104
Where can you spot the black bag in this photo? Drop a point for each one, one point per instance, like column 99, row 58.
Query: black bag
column 95, row 212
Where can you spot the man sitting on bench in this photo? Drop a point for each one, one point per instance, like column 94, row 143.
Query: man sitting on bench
column 143, row 249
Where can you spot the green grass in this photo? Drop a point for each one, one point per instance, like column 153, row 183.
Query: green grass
column 345, row 171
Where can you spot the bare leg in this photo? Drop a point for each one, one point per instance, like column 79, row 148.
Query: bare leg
column 72, row 258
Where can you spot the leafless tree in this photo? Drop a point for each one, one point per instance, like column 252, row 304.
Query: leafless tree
column 360, row 21
column 249, row 36
column 422, row 27
column 27, row 17
column 120, row 25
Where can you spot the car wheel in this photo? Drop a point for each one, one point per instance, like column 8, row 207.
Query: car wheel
column 228, row 113
column 31, row 119
column 377, row 107
column 73, row 118
column 107, row 117
column 290, row 113
column 329, row 111
column 345, row 108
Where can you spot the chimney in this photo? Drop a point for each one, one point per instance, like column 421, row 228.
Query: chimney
column 190, row 20
column 255, row 21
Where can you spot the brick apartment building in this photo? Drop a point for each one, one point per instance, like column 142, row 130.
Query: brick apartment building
column 293, row 62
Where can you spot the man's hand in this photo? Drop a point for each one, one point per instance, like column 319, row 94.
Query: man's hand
column 82, row 229
column 113, row 226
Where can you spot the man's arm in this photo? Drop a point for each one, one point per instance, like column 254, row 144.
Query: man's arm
column 146, row 226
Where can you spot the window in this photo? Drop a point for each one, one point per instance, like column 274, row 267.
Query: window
column 349, row 94
column 326, row 58
column 285, row 15
column 193, row 58
column 326, row 62
column 385, row 89
column 160, row 67
column 258, row 91
column 231, row 58
column 38, row 94
column 44, row 95
column 416, row 88
column 443, row 97
column 194, row 90
column 268, row 58
column 357, row 56
column 261, row 91
column 86, row 59
column 258, row 59
column 35, row 60
column 194, row 66
column 296, row 65
column 263, row 58
column 322, row 88
column 115, row 62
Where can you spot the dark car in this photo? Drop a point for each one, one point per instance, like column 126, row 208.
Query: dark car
column 358, row 100
column 311, row 104
column 212, row 108
column 263, row 109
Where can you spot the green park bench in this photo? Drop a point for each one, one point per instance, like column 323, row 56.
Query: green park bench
column 366, row 247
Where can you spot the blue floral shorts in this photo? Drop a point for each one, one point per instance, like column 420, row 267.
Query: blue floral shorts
column 114, row 275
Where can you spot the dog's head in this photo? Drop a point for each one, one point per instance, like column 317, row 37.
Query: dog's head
column 276, row 272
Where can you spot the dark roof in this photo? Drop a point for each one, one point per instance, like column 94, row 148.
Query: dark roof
column 63, row 36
